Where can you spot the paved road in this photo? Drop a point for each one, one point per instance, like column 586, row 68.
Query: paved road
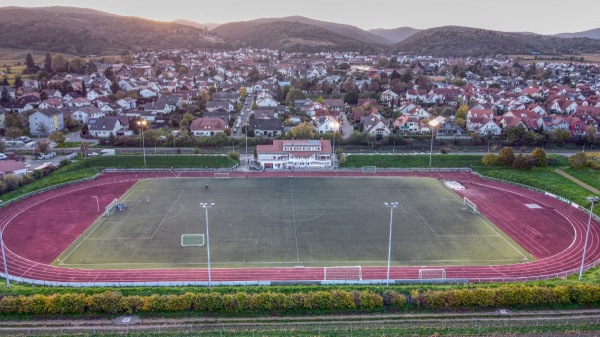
column 347, row 128
column 244, row 116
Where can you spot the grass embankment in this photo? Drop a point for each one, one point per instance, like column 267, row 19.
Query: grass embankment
column 89, row 167
column 408, row 161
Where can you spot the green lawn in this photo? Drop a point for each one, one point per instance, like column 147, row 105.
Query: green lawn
column 438, row 160
column 291, row 222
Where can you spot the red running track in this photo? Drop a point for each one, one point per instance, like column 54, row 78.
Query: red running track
column 36, row 230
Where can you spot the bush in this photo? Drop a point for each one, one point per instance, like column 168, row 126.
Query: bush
column 541, row 159
column 522, row 162
column 444, row 150
column 506, row 157
column 12, row 181
column 489, row 159
column 578, row 161
column 234, row 155
column 64, row 163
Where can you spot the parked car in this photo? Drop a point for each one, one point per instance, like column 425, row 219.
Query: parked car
column 3, row 156
column 25, row 139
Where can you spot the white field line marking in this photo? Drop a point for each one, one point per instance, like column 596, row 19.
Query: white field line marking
column 294, row 218
column 416, row 210
column 163, row 220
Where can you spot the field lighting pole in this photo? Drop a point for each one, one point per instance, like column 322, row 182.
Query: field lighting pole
column 206, row 206
column 4, row 257
column 587, row 233
column 142, row 123
column 432, row 124
column 247, row 160
column 333, row 158
column 391, row 206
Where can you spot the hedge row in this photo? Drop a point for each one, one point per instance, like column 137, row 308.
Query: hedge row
column 114, row 302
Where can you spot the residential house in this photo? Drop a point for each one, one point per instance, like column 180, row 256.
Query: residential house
column 46, row 121
column 266, row 102
column 266, row 127
column 83, row 115
column 103, row 127
column 12, row 167
column 334, row 104
column 327, row 124
column 207, row 127
column 221, row 113
column 491, row 127
column 389, row 96
column 375, row 126
column 406, row 124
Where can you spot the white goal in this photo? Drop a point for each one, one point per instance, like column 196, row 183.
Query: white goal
column 220, row 175
column 470, row 205
column 432, row 274
column 344, row 273
column 110, row 207
column 192, row 240
column 369, row 169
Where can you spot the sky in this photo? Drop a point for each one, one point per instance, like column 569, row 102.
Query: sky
column 537, row 16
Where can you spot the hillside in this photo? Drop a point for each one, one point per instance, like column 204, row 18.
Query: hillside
column 348, row 31
column 395, row 35
column 290, row 36
column 83, row 31
column 592, row 34
column 207, row 25
column 463, row 41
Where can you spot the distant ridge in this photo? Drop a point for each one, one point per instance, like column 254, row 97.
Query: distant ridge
column 395, row 35
column 464, row 41
column 207, row 25
column 592, row 34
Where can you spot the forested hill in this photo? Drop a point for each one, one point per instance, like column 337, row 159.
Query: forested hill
column 290, row 36
column 463, row 41
column 83, row 31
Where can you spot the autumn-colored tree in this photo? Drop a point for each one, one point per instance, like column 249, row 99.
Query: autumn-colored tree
column 541, row 159
column 57, row 137
column 506, row 156
column 578, row 160
column 303, row 131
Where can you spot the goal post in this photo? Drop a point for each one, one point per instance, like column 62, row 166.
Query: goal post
column 192, row 240
column 221, row 175
column 344, row 273
column 432, row 274
column 470, row 205
column 369, row 169
column 110, row 207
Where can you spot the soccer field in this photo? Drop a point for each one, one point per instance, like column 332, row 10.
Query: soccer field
column 291, row 222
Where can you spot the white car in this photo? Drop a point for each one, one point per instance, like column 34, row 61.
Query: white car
column 3, row 156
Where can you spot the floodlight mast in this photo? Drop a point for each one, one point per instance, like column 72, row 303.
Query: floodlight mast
column 4, row 257
column 391, row 206
column 206, row 206
column 593, row 200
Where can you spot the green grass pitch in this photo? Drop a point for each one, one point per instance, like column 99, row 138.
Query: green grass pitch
column 291, row 222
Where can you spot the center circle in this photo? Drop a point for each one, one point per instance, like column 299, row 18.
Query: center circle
column 297, row 210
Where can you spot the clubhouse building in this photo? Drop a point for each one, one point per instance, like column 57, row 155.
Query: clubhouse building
column 295, row 154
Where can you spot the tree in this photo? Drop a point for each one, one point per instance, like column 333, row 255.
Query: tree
column 407, row 76
column 186, row 120
column 84, row 147
column 29, row 61
column 85, row 129
column 524, row 162
column 462, row 112
column 351, row 98
column 578, row 161
column 293, row 95
column 243, row 93
column 12, row 181
column 59, row 63
column 4, row 97
column 234, row 155
column 18, row 82
column 83, row 89
column 506, row 157
column 2, row 146
column 42, row 146
column 48, row 62
column 57, row 137
column 560, row 137
column 303, row 131
column 515, row 135
column 76, row 64
column 541, row 159
column 13, row 133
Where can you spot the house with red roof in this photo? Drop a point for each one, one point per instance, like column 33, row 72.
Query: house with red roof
column 207, row 127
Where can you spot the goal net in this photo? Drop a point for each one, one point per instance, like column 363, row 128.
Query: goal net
column 221, row 175
column 369, row 169
column 192, row 240
column 110, row 207
column 342, row 273
column 432, row 274
column 470, row 205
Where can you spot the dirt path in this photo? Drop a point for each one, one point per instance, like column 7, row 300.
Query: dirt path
column 577, row 181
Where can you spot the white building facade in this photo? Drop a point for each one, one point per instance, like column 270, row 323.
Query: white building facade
column 295, row 154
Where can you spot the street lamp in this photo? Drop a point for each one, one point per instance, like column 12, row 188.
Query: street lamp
column 206, row 206
column 247, row 160
column 143, row 123
column 432, row 124
column 333, row 158
column 391, row 206
column 587, row 233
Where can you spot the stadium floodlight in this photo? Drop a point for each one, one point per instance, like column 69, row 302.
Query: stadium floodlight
column 587, row 233
column 4, row 256
column 143, row 123
column 432, row 124
column 335, row 126
column 206, row 206
column 391, row 206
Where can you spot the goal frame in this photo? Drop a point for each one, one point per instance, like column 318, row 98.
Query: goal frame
column 471, row 205
column 369, row 169
column 199, row 244
column 442, row 272
column 221, row 175
column 340, row 271
column 110, row 207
